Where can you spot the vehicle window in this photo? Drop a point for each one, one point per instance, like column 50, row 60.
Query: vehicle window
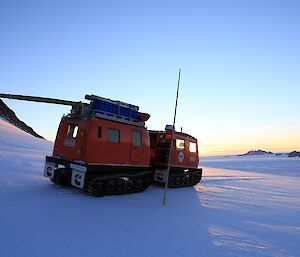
column 113, row 135
column 179, row 143
column 72, row 130
column 136, row 138
column 99, row 132
column 193, row 147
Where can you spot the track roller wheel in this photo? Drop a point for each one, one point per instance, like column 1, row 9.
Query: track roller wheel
column 94, row 187
column 120, row 186
column 147, row 180
column 98, row 188
column 138, row 184
column 186, row 180
column 129, row 185
column 171, row 181
column 109, row 187
column 177, row 180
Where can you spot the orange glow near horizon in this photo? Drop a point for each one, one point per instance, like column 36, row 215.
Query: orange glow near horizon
column 239, row 142
column 222, row 150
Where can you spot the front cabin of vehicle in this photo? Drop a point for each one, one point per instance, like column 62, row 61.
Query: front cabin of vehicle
column 104, row 150
column 102, row 142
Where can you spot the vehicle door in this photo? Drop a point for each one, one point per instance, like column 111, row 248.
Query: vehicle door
column 136, row 153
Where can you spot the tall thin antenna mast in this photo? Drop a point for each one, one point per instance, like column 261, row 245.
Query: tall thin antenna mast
column 171, row 146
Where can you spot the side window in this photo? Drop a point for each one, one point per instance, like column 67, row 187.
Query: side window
column 179, row 143
column 113, row 135
column 136, row 138
column 193, row 147
column 99, row 132
column 72, row 130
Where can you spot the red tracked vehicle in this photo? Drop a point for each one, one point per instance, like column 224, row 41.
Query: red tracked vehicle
column 104, row 148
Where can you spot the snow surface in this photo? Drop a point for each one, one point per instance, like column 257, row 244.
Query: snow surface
column 271, row 164
column 230, row 213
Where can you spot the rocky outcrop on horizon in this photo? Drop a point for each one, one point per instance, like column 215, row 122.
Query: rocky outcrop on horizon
column 7, row 114
column 294, row 154
column 256, row 152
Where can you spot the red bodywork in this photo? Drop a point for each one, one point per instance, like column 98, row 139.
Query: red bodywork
column 91, row 145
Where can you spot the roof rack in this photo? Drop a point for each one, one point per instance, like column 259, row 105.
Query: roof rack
column 107, row 100
column 114, row 110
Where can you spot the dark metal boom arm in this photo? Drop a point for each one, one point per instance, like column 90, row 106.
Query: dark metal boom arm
column 40, row 99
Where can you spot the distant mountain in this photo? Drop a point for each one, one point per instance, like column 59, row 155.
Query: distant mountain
column 294, row 154
column 8, row 115
column 256, row 152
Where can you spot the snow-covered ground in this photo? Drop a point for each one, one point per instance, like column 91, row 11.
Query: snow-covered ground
column 271, row 164
column 230, row 213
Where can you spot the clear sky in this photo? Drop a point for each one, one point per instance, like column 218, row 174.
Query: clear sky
column 240, row 60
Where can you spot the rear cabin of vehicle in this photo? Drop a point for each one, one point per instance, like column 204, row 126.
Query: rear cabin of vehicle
column 184, row 159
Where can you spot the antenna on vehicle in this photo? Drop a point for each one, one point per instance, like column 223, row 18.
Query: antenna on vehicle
column 171, row 147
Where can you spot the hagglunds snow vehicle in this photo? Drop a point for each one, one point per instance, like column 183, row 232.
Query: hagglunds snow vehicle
column 104, row 148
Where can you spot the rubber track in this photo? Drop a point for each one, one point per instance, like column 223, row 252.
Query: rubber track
column 98, row 186
column 184, row 180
